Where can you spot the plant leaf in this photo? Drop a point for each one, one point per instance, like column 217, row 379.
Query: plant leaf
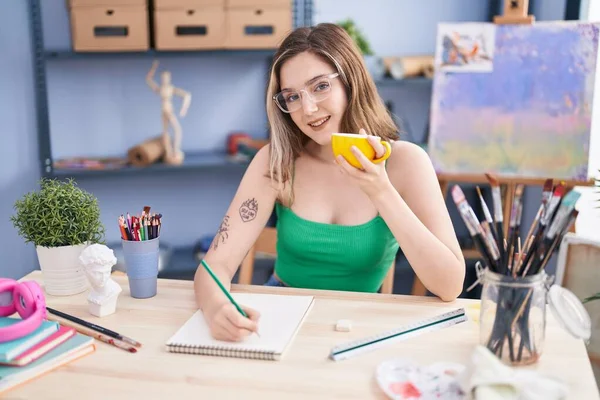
column 58, row 214
column 591, row 298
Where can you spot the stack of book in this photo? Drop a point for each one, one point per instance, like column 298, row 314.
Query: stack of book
column 47, row 348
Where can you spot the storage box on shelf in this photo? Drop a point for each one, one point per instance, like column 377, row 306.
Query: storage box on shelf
column 258, row 3
column 109, row 25
column 100, row 3
column 182, row 4
column 189, row 24
column 257, row 24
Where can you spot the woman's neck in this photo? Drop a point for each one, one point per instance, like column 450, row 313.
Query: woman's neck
column 319, row 152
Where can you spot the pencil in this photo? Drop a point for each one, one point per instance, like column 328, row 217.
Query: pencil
column 94, row 327
column 212, row 274
column 92, row 333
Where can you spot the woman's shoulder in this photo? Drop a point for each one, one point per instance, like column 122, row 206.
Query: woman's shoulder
column 260, row 161
column 407, row 153
column 258, row 172
column 407, row 164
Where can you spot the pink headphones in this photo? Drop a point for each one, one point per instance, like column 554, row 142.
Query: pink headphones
column 27, row 299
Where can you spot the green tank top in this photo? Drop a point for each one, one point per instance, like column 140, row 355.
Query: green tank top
column 335, row 257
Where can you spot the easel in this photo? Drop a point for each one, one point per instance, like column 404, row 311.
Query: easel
column 515, row 12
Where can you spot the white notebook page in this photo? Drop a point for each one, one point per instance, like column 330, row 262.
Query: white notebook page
column 280, row 318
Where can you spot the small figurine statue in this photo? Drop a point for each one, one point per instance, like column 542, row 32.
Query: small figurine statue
column 173, row 153
column 97, row 261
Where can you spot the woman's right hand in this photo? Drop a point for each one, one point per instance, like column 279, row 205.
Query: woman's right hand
column 226, row 323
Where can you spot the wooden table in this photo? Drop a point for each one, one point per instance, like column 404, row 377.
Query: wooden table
column 305, row 372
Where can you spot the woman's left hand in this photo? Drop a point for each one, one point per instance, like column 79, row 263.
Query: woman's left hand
column 372, row 178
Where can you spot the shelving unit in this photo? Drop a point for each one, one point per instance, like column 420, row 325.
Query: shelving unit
column 301, row 15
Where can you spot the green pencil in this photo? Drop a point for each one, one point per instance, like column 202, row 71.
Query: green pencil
column 223, row 288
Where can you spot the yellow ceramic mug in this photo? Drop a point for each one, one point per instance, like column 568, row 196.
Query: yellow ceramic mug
column 341, row 143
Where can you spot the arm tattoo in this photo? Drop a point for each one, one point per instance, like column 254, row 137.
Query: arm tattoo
column 248, row 210
column 222, row 232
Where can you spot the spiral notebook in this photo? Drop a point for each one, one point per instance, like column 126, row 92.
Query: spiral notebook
column 281, row 317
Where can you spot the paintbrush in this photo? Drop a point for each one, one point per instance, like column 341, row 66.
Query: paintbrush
column 475, row 229
column 530, row 237
column 499, row 220
column 546, row 217
column 487, row 215
column 489, row 240
column 488, row 227
column 519, row 256
column 559, row 238
column 514, row 224
column 84, row 330
column 555, row 228
column 92, row 326
column 553, row 203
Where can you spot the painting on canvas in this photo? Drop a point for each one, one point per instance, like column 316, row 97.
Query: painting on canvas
column 529, row 115
column 465, row 47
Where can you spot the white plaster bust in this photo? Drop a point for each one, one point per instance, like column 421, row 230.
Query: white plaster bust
column 97, row 261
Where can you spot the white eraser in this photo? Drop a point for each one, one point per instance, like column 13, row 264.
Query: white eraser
column 343, row 325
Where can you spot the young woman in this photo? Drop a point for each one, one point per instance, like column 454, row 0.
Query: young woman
column 339, row 227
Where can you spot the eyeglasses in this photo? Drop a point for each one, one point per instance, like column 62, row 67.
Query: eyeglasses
column 318, row 90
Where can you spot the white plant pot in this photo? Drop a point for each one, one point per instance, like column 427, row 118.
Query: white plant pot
column 62, row 273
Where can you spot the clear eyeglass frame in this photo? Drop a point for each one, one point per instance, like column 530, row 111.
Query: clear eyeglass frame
column 309, row 90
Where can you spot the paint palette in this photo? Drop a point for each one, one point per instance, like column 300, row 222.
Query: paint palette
column 401, row 379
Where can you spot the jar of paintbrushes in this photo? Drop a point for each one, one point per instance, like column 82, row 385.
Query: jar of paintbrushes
column 513, row 315
column 516, row 288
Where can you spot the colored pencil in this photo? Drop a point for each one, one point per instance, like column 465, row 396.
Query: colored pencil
column 224, row 290
column 144, row 227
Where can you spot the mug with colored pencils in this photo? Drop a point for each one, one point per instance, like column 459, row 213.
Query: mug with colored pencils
column 341, row 144
column 140, row 240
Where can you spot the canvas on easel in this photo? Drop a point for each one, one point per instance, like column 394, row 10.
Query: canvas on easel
column 516, row 101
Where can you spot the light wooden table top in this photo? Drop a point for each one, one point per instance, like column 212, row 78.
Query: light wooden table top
column 305, row 372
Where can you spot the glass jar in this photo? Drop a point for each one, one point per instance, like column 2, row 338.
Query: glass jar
column 513, row 315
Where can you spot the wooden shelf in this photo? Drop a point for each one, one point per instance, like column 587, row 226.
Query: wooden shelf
column 69, row 54
column 193, row 161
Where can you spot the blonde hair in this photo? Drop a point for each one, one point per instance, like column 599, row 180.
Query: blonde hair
column 365, row 107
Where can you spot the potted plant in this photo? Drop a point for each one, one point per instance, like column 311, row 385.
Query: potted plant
column 61, row 220
column 374, row 64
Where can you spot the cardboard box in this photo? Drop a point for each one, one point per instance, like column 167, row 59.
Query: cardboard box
column 109, row 28
column 257, row 28
column 189, row 29
column 259, row 4
column 102, row 3
column 178, row 4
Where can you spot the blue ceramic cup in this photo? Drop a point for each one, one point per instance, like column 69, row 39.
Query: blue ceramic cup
column 141, row 264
